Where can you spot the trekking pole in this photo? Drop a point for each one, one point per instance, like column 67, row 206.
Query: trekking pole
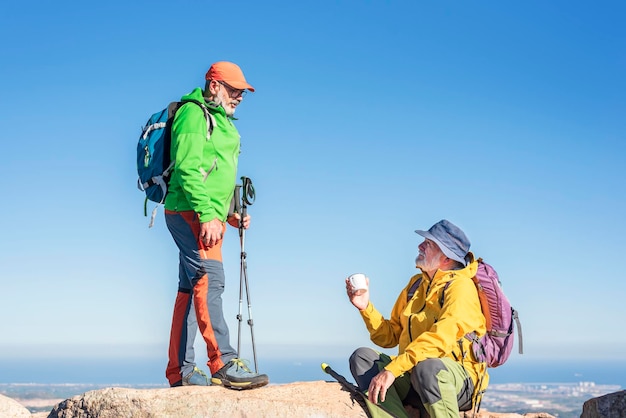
column 373, row 408
column 247, row 198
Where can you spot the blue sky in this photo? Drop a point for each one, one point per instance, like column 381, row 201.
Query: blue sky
column 371, row 119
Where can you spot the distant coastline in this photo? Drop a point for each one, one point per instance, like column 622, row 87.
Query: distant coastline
column 150, row 371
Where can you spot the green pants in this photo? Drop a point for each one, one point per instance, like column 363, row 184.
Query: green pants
column 443, row 385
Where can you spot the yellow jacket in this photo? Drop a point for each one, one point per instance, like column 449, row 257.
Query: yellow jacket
column 423, row 328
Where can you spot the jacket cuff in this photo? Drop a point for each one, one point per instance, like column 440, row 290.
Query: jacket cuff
column 368, row 310
column 207, row 216
column 394, row 369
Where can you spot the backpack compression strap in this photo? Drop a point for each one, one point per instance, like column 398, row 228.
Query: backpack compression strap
column 519, row 330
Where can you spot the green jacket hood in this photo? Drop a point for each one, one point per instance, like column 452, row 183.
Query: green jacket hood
column 198, row 95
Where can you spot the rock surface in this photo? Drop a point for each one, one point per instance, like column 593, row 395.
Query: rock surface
column 12, row 408
column 294, row 400
column 612, row 405
column 302, row 399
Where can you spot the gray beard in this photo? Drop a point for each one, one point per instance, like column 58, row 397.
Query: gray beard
column 219, row 101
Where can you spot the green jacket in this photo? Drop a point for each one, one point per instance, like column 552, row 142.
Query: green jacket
column 422, row 328
column 205, row 170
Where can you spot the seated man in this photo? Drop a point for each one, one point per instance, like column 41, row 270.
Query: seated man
column 435, row 369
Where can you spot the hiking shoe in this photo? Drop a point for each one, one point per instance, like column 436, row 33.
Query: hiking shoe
column 196, row 378
column 237, row 375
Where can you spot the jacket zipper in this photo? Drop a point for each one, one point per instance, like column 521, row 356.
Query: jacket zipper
column 205, row 174
column 420, row 310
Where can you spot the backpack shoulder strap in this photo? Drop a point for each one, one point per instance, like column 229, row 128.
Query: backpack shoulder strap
column 413, row 289
column 417, row 283
column 210, row 119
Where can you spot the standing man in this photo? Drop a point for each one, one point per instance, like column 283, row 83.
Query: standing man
column 197, row 205
column 435, row 369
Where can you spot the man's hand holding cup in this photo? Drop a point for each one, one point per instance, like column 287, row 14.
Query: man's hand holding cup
column 357, row 287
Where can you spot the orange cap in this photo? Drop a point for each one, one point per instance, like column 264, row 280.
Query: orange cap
column 229, row 73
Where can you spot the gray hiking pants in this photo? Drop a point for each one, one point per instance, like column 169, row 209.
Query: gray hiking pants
column 442, row 386
column 198, row 302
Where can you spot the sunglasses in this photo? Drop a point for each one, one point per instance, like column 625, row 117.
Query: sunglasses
column 233, row 92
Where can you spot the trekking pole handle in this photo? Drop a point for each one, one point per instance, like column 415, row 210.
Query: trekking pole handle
column 237, row 198
column 247, row 197
column 244, row 212
column 248, row 191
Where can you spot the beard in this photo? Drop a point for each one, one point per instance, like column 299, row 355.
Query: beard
column 422, row 263
column 226, row 102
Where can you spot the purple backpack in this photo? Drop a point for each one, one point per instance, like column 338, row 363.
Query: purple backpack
column 495, row 346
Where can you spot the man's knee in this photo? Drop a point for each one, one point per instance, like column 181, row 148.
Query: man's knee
column 433, row 381
column 424, row 379
column 363, row 366
column 363, row 359
column 215, row 271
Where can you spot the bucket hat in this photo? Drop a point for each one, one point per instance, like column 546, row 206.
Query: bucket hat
column 451, row 240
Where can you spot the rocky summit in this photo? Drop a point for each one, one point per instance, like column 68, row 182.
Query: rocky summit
column 612, row 405
column 317, row 399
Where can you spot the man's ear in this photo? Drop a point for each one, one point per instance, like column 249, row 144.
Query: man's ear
column 213, row 86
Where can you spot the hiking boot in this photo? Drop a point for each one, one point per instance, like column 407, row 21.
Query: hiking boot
column 196, row 378
column 237, row 375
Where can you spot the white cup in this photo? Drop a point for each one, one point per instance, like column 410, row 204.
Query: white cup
column 358, row 281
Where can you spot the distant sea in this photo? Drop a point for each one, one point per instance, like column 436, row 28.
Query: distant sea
column 142, row 372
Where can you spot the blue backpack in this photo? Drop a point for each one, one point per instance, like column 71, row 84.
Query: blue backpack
column 154, row 165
